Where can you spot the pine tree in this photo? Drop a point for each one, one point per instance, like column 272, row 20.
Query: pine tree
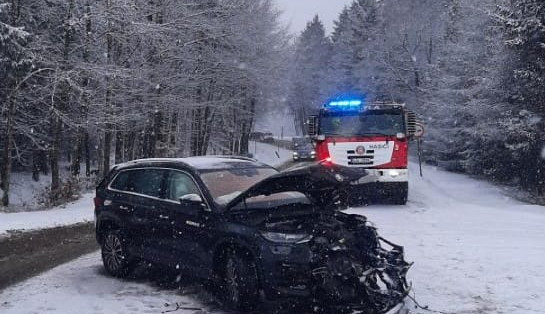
column 524, row 24
column 311, row 55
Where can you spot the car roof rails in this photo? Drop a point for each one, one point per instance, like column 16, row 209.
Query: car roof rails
column 232, row 157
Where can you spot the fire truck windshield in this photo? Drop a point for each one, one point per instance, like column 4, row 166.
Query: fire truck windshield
column 361, row 124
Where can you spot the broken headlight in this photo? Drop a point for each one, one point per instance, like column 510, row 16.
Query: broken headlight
column 277, row 237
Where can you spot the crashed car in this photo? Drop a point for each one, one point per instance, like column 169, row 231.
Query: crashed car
column 259, row 234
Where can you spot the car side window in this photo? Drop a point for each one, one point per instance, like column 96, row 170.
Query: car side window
column 180, row 184
column 121, row 181
column 146, row 182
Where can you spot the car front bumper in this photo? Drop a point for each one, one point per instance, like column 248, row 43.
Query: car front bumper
column 304, row 157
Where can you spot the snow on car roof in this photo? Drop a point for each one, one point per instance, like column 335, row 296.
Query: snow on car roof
column 203, row 162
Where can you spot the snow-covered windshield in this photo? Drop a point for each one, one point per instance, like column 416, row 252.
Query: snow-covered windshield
column 225, row 185
column 369, row 123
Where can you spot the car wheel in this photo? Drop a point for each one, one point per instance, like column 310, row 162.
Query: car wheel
column 240, row 283
column 114, row 254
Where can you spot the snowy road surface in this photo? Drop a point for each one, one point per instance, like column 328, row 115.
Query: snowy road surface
column 475, row 251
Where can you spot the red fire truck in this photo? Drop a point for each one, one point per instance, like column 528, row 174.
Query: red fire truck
column 374, row 136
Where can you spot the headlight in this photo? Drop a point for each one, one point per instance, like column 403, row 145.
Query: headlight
column 313, row 152
column 295, row 153
column 286, row 237
column 394, row 173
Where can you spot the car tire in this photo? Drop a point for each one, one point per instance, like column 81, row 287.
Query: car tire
column 240, row 283
column 115, row 257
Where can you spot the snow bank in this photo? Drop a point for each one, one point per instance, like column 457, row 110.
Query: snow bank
column 81, row 210
column 24, row 191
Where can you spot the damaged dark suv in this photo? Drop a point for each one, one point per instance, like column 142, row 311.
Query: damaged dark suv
column 259, row 234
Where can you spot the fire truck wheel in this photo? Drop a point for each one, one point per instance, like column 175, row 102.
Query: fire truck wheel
column 400, row 195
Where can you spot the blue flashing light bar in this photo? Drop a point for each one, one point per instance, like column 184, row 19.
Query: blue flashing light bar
column 345, row 105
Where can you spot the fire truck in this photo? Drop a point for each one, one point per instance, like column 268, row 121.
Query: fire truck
column 375, row 136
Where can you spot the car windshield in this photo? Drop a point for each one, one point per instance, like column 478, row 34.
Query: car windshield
column 226, row 184
column 302, row 144
column 305, row 146
column 368, row 123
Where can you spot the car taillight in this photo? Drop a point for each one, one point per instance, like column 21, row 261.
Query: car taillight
column 98, row 202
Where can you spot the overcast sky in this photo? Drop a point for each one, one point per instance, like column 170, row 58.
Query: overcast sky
column 299, row 12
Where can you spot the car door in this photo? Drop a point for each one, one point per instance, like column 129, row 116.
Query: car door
column 119, row 205
column 146, row 186
column 190, row 232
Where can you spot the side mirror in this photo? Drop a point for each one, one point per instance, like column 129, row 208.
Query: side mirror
column 312, row 125
column 419, row 130
column 415, row 129
column 192, row 200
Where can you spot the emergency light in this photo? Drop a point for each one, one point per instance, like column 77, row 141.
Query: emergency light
column 345, row 105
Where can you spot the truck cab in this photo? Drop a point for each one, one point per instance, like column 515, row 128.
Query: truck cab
column 376, row 136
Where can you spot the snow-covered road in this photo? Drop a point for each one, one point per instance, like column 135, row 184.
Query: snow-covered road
column 475, row 251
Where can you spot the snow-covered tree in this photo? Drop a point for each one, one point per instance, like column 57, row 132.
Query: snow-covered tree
column 118, row 80
column 311, row 57
column 16, row 62
column 524, row 24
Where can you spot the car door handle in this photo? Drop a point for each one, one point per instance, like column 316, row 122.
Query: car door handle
column 164, row 217
column 193, row 224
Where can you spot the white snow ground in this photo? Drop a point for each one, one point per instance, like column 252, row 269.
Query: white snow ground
column 83, row 287
column 71, row 213
column 267, row 153
column 24, row 190
column 476, row 251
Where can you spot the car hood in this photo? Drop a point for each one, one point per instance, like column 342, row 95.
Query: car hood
column 317, row 181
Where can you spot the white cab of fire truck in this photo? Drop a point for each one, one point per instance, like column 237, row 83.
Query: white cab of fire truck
column 375, row 136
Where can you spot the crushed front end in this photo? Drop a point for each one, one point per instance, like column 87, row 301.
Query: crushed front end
column 376, row 283
column 345, row 264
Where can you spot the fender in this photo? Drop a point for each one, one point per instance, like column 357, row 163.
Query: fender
column 106, row 218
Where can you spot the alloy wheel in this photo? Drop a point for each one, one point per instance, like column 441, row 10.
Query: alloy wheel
column 231, row 276
column 113, row 252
